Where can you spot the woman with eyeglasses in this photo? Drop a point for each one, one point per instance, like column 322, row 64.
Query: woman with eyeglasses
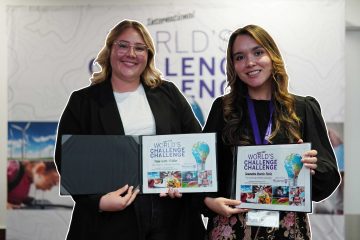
column 259, row 110
column 129, row 97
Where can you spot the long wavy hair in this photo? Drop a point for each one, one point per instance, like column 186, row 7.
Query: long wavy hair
column 151, row 76
column 285, row 119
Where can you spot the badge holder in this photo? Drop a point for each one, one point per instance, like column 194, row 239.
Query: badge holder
column 262, row 218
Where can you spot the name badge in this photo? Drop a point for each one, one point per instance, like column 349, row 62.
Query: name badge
column 263, row 218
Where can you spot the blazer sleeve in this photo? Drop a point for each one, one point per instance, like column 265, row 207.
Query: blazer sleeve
column 71, row 123
column 215, row 121
column 327, row 176
column 210, row 126
column 225, row 166
column 189, row 123
column 214, row 124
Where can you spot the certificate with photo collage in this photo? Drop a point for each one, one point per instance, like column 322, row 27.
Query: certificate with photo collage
column 186, row 162
column 272, row 177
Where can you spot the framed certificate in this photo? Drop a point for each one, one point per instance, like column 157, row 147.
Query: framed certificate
column 186, row 162
column 272, row 177
column 98, row 164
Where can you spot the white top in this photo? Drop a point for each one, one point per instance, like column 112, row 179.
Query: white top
column 135, row 112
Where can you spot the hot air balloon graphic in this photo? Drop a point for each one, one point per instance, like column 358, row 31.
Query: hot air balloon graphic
column 293, row 166
column 200, row 151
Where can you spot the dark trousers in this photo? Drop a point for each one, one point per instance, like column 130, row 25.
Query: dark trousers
column 149, row 217
column 158, row 218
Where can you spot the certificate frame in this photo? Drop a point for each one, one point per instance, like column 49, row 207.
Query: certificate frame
column 271, row 177
column 186, row 162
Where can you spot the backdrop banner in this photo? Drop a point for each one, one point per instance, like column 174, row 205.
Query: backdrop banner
column 51, row 49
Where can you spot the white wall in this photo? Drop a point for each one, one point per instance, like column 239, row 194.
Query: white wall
column 3, row 116
column 352, row 117
column 352, row 8
column 352, row 114
column 352, row 132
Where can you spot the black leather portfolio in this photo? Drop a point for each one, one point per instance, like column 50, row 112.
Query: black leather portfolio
column 98, row 164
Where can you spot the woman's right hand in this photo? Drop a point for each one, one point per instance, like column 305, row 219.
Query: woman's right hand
column 115, row 201
column 224, row 206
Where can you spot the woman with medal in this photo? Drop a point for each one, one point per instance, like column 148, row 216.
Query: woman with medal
column 258, row 109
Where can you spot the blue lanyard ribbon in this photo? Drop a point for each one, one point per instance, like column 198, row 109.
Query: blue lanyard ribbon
column 255, row 125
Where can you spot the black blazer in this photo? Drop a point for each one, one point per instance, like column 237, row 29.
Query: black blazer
column 93, row 110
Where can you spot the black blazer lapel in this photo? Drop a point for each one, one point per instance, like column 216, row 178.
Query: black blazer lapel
column 109, row 113
column 157, row 108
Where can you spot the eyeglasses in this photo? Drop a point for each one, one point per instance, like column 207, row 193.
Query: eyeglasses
column 123, row 47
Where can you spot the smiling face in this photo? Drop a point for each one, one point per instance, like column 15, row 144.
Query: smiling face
column 253, row 66
column 127, row 65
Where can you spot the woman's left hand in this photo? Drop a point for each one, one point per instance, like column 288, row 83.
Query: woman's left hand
column 172, row 193
column 309, row 159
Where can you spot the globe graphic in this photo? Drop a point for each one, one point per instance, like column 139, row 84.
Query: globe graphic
column 200, row 151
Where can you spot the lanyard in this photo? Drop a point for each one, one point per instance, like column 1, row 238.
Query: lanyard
column 255, row 125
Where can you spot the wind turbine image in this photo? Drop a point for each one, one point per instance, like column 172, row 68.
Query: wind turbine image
column 24, row 139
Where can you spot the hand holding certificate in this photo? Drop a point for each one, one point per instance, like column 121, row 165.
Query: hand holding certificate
column 273, row 177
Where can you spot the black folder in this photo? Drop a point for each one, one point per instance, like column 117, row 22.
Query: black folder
column 98, row 164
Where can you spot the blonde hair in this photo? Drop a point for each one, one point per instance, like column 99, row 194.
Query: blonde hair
column 151, row 76
column 285, row 116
